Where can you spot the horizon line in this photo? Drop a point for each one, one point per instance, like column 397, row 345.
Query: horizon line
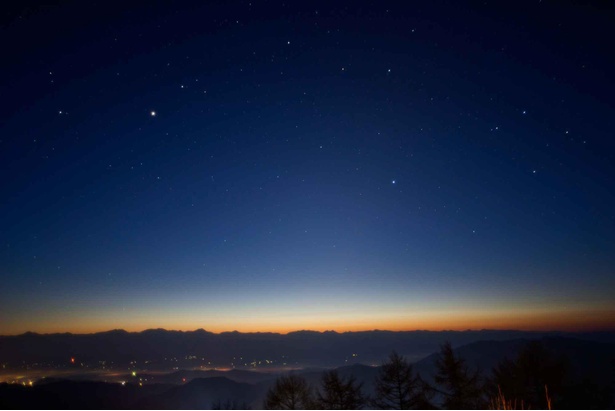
column 534, row 331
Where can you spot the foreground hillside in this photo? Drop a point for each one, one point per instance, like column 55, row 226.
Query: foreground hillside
column 590, row 371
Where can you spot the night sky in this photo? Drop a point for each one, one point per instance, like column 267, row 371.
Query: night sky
column 275, row 166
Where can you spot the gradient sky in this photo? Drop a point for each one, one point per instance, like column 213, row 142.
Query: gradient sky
column 347, row 166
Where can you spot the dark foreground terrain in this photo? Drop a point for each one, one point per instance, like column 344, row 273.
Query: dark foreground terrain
column 589, row 381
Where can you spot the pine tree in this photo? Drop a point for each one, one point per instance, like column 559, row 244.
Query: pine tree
column 289, row 393
column 340, row 394
column 398, row 388
column 525, row 378
column 460, row 388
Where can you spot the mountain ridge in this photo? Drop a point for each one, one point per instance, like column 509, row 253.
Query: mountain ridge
column 202, row 349
column 304, row 332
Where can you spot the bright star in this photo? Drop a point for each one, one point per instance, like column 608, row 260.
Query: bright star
column 393, row 182
column 153, row 114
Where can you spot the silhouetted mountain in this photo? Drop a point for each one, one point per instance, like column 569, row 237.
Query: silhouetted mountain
column 75, row 395
column 234, row 349
column 182, row 376
column 202, row 393
column 590, row 367
column 585, row 358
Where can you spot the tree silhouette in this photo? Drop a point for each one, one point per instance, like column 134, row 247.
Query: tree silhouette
column 289, row 393
column 525, row 378
column 398, row 388
column 340, row 394
column 460, row 388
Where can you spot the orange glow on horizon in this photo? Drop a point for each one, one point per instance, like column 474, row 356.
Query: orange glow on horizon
column 560, row 320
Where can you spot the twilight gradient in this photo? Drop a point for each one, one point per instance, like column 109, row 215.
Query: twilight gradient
column 263, row 166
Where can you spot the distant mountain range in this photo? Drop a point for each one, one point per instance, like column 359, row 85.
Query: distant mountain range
column 246, row 350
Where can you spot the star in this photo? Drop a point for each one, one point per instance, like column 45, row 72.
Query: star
column 152, row 113
column 393, row 181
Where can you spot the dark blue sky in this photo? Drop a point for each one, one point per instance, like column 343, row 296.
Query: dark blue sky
column 352, row 165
